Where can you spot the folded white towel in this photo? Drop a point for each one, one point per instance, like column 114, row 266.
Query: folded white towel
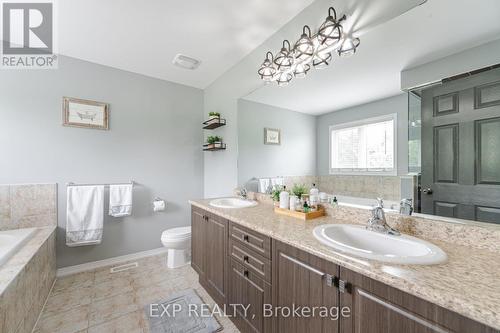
column 85, row 210
column 120, row 200
column 264, row 184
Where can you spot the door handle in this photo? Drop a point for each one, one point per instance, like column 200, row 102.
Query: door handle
column 245, row 259
column 427, row 191
column 245, row 238
column 245, row 273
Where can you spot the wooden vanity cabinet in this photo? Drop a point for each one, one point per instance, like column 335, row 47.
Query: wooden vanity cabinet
column 250, row 277
column 379, row 308
column 209, row 252
column 302, row 279
column 240, row 266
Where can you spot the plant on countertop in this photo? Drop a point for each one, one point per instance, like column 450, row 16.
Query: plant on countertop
column 275, row 193
column 213, row 114
column 213, row 139
column 299, row 190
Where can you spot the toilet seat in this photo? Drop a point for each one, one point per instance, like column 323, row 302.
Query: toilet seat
column 180, row 233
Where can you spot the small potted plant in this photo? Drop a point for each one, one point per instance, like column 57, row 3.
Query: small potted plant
column 275, row 194
column 214, row 141
column 299, row 190
column 213, row 115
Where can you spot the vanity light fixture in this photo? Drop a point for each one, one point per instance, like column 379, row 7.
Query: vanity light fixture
column 304, row 48
column 267, row 69
column 284, row 58
column 330, row 32
column 311, row 50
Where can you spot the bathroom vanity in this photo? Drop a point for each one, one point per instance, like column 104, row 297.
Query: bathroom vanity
column 252, row 256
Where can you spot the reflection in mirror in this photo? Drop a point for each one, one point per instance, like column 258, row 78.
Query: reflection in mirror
column 434, row 150
column 459, row 122
column 351, row 154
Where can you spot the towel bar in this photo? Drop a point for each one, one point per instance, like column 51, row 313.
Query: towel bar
column 73, row 184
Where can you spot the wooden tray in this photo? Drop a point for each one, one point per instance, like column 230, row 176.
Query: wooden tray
column 300, row 215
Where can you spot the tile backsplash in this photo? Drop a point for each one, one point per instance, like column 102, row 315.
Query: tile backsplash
column 387, row 187
column 28, row 205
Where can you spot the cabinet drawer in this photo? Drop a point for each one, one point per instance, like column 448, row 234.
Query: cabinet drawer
column 248, row 289
column 250, row 259
column 253, row 240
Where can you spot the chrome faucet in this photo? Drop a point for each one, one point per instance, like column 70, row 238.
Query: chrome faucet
column 378, row 223
column 242, row 192
column 406, row 207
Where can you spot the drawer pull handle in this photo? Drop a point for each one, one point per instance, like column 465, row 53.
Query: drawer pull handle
column 245, row 238
column 245, row 273
column 245, row 258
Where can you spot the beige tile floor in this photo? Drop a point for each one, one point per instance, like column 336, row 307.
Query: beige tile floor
column 99, row 301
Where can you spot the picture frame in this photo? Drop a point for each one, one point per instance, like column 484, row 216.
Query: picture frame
column 85, row 113
column 272, row 136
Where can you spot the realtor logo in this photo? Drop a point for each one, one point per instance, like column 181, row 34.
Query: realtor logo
column 28, row 35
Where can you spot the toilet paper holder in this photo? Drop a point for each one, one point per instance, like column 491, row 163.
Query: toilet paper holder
column 159, row 204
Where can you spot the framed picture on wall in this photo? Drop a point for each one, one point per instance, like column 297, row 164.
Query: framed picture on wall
column 85, row 113
column 272, row 136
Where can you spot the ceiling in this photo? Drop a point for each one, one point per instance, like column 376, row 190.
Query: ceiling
column 431, row 31
column 143, row 37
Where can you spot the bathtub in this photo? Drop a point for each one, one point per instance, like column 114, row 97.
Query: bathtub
column 12, row 240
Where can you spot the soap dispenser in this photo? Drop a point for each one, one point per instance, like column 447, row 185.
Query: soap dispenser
column 284, row 198
column 314, row 190
column 314, row 197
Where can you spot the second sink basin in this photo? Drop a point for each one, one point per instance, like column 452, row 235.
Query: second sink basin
column 232, row 203
column 358, row 241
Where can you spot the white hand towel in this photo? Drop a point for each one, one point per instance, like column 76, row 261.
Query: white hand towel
column 120, row 200
column 264, row 184
column 85, row 213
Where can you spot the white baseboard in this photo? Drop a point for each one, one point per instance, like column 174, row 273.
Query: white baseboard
column 107, row 262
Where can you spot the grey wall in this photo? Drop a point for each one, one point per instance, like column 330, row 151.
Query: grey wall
column 471, row 59
column 296, row 156
column 154, row 138
column 397, row 104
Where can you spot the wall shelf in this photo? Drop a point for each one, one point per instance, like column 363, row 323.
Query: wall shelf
column 214, row 123
column 214, row 146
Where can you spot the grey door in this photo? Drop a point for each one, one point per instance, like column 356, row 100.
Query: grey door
column 461, row 148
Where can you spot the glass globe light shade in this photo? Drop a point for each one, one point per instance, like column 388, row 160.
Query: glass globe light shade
column 322, row 60
column 301, row 70
column 284, row 79
column 348, row 46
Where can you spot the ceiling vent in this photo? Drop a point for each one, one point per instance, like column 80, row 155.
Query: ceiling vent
column 186, row 62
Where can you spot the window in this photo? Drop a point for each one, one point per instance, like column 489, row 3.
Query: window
column 363, row 147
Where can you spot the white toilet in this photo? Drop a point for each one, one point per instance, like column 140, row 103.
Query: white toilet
column 178, row 243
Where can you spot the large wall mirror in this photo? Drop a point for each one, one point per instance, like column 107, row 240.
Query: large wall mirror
column 437, row 145
column 454, row 146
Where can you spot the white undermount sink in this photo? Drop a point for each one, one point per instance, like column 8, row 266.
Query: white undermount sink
column 232, row 203
column 358, row 241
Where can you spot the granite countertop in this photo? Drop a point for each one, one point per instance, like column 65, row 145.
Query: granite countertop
column 16, row 263
column 469, row 283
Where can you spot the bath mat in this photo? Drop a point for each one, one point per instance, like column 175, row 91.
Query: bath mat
column 187, row 319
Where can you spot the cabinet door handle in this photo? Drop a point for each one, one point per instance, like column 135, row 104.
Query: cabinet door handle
column 245, row 238
column 245, row 273
column 245, row 259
